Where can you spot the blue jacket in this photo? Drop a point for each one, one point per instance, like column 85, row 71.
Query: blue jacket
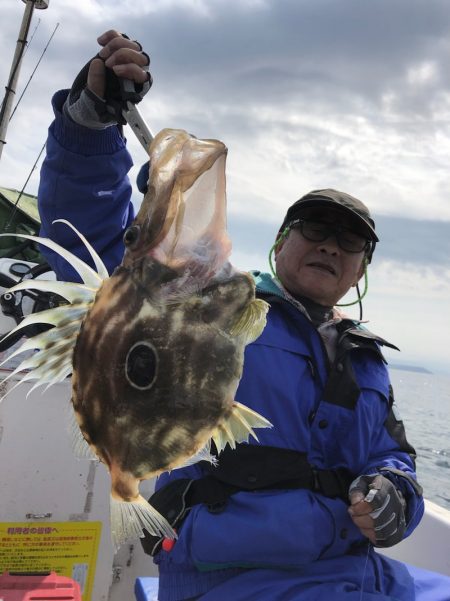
column 284, row 378
column 349, row 424
column 84, row 180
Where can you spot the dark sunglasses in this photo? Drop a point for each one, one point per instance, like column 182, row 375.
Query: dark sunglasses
column 319, row 231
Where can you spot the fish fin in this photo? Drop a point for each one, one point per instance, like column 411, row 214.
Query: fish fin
column 52, row 359
column 80, row 446
column 238, row 427
column 100, row 266
column 130, row 518
column 71, row 291
column 89, row 276
column 252, row 321
column 59, row 316
column 203, row 454
column 46, row 365
column 40, row 339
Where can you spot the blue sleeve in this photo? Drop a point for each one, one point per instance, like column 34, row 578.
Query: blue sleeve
column 84, row 180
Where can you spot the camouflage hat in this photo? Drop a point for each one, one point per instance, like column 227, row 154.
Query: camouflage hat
column 340, row 201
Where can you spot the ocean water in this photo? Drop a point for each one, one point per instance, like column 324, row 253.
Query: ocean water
column 423, row 401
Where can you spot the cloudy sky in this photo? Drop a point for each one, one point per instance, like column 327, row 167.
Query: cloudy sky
column 306, row 94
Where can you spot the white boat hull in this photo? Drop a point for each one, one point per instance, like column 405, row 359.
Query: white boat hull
column 429, row 545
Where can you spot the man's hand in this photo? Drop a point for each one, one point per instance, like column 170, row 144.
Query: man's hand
column 88, row 103
column 123, row 56
column 378, row 510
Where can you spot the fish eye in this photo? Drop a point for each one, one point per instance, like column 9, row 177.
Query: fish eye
column 141, row 365
column 131, row 235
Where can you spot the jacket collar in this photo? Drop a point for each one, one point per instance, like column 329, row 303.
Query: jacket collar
column 266, row 285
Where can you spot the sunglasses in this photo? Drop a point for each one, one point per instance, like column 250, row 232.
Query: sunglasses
column 319, row 231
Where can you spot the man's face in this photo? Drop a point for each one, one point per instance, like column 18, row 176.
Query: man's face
column 320, row 271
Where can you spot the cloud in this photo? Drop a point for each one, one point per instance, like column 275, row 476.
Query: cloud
column 408, row 305
column 351, row 95
column 414, row 244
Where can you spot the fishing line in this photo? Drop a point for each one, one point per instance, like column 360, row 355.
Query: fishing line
column 369, row 545
column 34, row 71
column 32, row 36
column 14, row 208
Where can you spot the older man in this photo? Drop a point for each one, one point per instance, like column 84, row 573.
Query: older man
column 290, row 518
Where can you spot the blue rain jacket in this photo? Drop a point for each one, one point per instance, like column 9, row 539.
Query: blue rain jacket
column 296, row 531
column 84, row 180
column 265, row 545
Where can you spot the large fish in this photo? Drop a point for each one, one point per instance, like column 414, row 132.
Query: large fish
column 155, row 350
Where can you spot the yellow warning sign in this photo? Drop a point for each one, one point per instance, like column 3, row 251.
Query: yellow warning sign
column 67, row 548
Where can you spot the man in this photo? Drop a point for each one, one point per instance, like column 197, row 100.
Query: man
column 290, row 518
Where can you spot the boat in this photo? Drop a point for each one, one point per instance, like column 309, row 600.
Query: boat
column 53, row 500
column 54, row 510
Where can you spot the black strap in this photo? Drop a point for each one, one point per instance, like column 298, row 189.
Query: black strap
column 247, row 468
column 259, row 467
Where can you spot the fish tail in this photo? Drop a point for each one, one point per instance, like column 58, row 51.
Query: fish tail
column 130, row 518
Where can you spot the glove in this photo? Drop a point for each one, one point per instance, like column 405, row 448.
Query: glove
column 378, row 509
column 142, row 178
column 88, row 108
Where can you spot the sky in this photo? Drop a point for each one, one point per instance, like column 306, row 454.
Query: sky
column 306, row 94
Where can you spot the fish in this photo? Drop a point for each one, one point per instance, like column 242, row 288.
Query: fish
column 156, row 350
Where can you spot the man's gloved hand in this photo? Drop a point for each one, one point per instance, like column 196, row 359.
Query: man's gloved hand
column 95, row 90
column 378, row 509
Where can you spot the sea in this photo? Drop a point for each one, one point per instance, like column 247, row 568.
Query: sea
column 423, row 401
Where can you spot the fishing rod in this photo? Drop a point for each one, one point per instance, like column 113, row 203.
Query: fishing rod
column 5, row 112
column 34, row 71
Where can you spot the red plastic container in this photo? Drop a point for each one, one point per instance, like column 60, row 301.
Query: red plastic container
column 38, row 587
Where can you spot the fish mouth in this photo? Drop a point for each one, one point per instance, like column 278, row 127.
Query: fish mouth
column 325, row 267
column 182, row 219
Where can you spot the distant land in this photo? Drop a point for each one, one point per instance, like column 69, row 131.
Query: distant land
column 418, row 369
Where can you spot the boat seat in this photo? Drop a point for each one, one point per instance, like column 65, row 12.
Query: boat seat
column 430, row 586
column 146, row 589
